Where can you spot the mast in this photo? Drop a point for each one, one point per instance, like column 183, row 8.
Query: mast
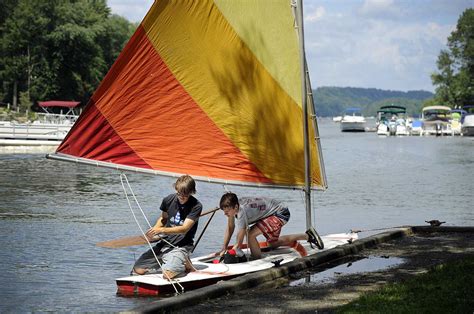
column 307, row 160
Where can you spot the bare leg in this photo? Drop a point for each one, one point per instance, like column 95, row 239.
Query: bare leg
column 256, row 253
column 288, row 240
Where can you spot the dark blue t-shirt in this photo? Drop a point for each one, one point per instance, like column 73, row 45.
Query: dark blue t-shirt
column 177, row 213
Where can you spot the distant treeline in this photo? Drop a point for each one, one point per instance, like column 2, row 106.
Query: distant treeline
column 63, row 49
column 332, row 101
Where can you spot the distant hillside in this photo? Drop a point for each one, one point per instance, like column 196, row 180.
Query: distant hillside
column 331, row 101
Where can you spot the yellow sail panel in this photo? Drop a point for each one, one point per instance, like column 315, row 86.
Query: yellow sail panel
column 259, row 25
column 232, row 86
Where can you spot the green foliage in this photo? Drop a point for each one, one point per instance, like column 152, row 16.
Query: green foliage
column 58, row 49
column 331, row 101
column 444, row 289
column 25, row 101
column 455, row 80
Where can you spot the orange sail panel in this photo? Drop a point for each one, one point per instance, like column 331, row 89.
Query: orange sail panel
column 192, row 94
column 160, row 123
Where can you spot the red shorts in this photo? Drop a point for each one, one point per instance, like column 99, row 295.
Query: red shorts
column 270, row 227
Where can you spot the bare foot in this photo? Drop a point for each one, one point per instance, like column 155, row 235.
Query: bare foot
column 168, row 274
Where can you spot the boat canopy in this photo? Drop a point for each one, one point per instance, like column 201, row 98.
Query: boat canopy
column 436, row 108
column 352, row 109
column 392, row 109
column 434, row 113
column 468, row 108
column 59, row 103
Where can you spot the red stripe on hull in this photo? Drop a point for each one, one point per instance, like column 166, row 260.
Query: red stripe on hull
column 135, row 289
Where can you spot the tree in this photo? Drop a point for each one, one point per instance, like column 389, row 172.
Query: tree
column 57, row 49
column 455, row 80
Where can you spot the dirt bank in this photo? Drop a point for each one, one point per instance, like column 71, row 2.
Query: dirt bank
column 419, row 252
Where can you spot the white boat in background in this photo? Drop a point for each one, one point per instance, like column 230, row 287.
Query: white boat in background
column 436, row 120
column 337, row 119
column 353, row 120
column 416, row 127
column 467, row 126
column 48, row 130
column 392, row 120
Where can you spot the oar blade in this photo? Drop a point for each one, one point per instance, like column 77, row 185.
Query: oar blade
column 124, row 242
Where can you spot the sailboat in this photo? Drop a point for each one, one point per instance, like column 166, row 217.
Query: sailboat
column 218, row 90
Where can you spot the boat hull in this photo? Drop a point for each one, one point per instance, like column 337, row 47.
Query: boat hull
column 467, row 128
column 352, row 126
column 467, row 131
column 208, row 273
column 436, row 127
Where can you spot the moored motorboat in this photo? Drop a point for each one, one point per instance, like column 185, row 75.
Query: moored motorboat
column 49, row 129
column 436, row 120
column 352, row 120
column 391, row 120
column 467, row 126
column 416, row 127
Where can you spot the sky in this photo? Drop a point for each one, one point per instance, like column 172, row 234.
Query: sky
column 384, row 44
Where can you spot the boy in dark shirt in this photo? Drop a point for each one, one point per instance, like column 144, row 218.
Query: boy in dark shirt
column 176, row 227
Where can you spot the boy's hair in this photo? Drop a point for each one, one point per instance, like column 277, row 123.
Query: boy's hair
column 229, row 199
column 185, row 184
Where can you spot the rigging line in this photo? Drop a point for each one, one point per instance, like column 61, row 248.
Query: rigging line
column 225, row 188
column 138, row 205
column 122, row 177
column 202, row 232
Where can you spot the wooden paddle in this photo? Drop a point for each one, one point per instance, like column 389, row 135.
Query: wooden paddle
column 137, row 240
column 125, row 241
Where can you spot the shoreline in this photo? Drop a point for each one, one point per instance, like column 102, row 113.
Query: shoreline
column 420, row 247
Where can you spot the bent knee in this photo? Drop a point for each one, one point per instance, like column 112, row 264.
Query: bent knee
column 140, row 271
column 254, row 232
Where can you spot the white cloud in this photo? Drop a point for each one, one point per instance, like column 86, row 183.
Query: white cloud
column 133, row 10
column 389, row 44
column 316, row 14
column 376, row 8
column 380, row 45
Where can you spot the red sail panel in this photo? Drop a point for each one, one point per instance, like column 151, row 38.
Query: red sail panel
column 93, row 128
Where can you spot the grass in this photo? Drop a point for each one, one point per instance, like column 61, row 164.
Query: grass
column 446, row 288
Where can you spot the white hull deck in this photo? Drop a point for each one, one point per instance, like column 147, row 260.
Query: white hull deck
column 208, row 273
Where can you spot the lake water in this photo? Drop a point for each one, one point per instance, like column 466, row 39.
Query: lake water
column 52, row 213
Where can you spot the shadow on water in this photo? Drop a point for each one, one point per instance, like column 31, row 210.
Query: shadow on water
column 329, row 272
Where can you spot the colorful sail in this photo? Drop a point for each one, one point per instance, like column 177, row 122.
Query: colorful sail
column 206, row 88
